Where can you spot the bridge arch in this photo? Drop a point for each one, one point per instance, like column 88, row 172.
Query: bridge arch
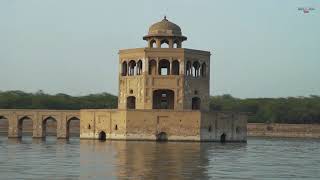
column 74, row 122
column 4, row 125
column 25, row 126
column 49, row 126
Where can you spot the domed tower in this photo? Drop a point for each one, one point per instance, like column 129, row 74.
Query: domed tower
column 164, row 32
column 164, row 75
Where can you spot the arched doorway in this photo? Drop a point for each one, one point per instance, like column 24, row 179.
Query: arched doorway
column 164, row 67
column 164, row 43
column 73, row 127
column 152, row 67
column 223, row 138
column 152, row 43
column 102, row 136
column 49, row 127
column 132, row 68
column 188, row 68
column 196, row 69
column 163, row 99
column 139, row 67
column 4, row 126
column 175, row 67
column 162, row 136
column 131, row 102
column 196, row 103
column 25, row 126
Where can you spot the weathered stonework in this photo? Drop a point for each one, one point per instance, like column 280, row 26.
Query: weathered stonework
column 186, row 125
column 163, row 94
column 38, row 117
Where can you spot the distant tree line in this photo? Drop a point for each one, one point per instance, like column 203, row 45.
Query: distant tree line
column 41, row 100
column 304, row 110
column 295, row 110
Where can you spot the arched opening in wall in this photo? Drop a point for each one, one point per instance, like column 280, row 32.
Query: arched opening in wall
column 4, row 126
column 176, row 44
column 124, row 68
column 73, row 127
column 164, row 43
column 25, row 126
column 163, row 99
column 196, row 103
column 175, row 67
column 131, row 102
column 152, row 67
column 164, row 67
column 203, row 70
column 102, row 136
column 153, row 43
column 223, row 138
column 238, row 129
column 132, row 68
column 162, row 136
column 139, row 67
column 49, row 126
column 196, row 69
column 188, row 68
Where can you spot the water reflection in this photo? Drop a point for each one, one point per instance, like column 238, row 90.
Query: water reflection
column 51, row 158
column 148, row 160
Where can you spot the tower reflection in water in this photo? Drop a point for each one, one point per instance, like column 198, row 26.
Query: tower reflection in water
column 145, row 160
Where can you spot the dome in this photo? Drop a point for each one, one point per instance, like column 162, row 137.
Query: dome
column 164, row 28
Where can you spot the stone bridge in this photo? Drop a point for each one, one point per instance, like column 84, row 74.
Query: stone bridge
column 39, row 119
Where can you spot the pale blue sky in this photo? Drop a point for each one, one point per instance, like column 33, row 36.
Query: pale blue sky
column 259, row 48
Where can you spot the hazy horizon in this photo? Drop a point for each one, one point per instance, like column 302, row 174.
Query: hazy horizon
column 259, row 48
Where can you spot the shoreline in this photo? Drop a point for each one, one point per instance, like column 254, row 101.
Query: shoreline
column 283, row 130
column 253, row 130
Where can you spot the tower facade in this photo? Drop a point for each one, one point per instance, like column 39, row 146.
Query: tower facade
column 164, row 75
column 163, row 95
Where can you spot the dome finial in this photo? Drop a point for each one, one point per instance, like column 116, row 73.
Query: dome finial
column 165, row 18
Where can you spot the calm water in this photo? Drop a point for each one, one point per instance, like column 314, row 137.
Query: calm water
column 260, row 158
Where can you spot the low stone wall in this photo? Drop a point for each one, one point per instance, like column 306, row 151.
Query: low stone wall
column 186, row 125
column 284, row 130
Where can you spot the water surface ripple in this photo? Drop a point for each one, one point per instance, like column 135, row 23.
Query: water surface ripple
column 260, row 158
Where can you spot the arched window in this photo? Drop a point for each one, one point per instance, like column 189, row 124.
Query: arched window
column 164, row 67
column 152, row 67
column 132, row 68
column 175, row 67
column 203, row 70
column 188, row 68
column 124, row 68
column 131, row 102
column 196, row 69
column 164, row 43
column 139, row 68
column 196, row 103
column 176, row 44
column 153, row 43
